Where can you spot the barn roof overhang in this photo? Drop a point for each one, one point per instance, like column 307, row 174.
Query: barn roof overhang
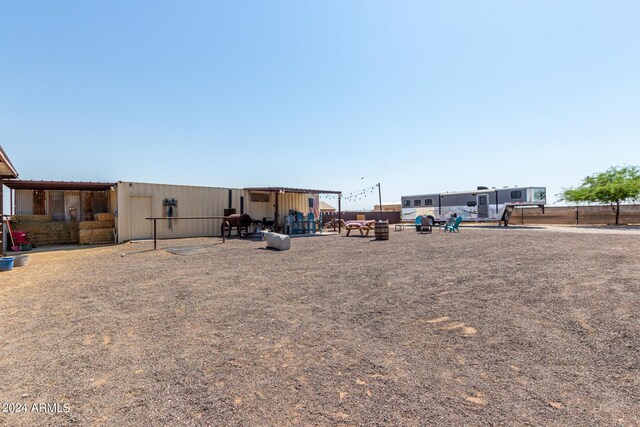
column 6, row 168
column 58, row 185
column 293, row 190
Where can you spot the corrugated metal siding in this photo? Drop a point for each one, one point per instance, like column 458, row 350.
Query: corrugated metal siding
column 192, row 201
column 23, row 202
column 258, row 210
column 197, row 201
column 292, row 201
column 286, row 202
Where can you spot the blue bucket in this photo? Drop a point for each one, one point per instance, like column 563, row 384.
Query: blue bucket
column 6, row 263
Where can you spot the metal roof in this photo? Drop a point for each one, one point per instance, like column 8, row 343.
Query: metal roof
column 6, row 168
column 58, row 185
column 293, row 190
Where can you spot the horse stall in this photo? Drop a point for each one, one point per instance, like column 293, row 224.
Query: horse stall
column 62, row 212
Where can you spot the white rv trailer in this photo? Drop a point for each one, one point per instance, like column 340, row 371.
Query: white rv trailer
column 482, row 204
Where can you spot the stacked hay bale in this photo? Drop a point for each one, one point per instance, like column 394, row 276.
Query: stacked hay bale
column 98, row 231
column 43, row 230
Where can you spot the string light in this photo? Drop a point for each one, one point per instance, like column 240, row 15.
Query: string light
column 352, row 196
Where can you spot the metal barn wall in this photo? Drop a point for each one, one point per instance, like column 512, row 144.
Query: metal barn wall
column 23, row 202
column 295, row 201
column 257, row 210
column 59, row 202
column 194, row 201
column 286, row 201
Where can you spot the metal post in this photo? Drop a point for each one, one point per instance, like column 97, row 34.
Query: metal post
column 380, row 200
column 276, row 219
column 4, row 234
column 339, row 213
column 154, row 234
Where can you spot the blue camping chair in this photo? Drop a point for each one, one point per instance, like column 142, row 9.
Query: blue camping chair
column 319, row 223
column 311, row 223
column 298, row 224
column 453, row 228
column 418, row 222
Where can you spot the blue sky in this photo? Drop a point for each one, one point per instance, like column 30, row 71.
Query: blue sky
column 423, row 96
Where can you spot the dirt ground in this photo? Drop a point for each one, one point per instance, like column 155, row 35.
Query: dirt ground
column 518, row 326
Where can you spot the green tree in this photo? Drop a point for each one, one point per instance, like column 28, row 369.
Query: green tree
column 614, row 186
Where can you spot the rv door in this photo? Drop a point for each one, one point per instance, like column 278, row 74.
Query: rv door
column 483, row 206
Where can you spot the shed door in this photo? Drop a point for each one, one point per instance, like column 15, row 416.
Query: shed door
column 139, row 209
column 483, row 206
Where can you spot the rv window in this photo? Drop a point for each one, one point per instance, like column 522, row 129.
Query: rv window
column 407, row 203
column 516, row 194
column 416, row 203
column 471, row 204
column 428, row 202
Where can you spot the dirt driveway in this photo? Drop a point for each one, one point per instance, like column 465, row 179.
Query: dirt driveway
column 484, row 327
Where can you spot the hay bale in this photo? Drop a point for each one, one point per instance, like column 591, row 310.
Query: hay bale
column 104, row 217
column 92, row 225
column 50, row 233
column 31, row 218
column 97, row 235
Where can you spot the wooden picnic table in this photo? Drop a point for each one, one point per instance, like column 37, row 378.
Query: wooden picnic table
column 364, row 227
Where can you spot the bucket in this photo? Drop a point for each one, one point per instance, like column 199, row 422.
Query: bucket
column 6, row 263
column 21, row 260
column 382, row 230
column 26, row 246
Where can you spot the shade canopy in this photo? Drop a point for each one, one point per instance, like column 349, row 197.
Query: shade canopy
column 293, row 190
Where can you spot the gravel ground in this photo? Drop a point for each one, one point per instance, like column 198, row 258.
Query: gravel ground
column 488, row 326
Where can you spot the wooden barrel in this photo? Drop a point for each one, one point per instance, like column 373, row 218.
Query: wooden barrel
column 382, row 230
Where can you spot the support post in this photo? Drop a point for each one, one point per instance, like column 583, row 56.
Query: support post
column 339, row 213
column 155, row 240
column 4, row 233
column 276, row 219
column 380, row 201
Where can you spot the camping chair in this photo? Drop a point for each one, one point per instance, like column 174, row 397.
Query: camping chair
column 299, row 224
column 453, row 227
column 319, row 223
column 418, row 222
column 311, row 223
column 426, row 225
